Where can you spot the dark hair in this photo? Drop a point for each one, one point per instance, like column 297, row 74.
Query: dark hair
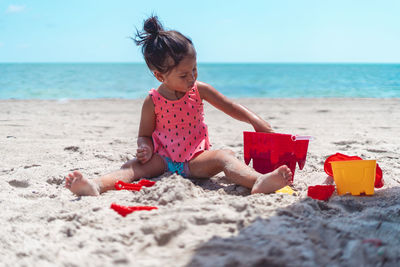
column 162, row 50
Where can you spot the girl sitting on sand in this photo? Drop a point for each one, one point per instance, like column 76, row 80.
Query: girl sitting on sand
column 172, row 134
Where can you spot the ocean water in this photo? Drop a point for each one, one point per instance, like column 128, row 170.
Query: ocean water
column 133, row 80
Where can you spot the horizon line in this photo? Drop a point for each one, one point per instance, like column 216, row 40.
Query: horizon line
column 201, row 62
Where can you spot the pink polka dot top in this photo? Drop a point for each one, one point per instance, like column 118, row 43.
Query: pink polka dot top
column 180, row 131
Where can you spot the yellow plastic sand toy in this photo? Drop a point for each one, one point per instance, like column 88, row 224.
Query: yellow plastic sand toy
column 354, row 176
column 285, row 190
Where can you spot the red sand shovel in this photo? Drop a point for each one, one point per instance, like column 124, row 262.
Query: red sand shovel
column 125, row 210
column 119, row 185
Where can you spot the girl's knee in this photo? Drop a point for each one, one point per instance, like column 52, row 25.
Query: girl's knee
column 129, row 164
column 225, row 155
column 229, row 152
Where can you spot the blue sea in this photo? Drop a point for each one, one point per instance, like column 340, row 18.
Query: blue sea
column 133, row 80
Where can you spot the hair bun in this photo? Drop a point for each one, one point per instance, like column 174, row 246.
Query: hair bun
column 162, row 49
column 152, row 25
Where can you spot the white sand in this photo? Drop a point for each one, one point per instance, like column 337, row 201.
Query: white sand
column 199, row 222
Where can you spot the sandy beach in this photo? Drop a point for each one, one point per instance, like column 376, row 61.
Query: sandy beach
column 198, row 222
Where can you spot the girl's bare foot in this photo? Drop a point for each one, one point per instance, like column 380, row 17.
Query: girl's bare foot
column 275, row 180
column 81, row 186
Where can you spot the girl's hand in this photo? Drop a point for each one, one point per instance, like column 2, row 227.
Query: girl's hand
column 144, row 153
column 263, row 126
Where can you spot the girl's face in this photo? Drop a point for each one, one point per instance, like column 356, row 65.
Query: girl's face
column 182, row 77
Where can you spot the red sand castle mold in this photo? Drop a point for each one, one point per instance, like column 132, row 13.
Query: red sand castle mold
column 124, row 210
column 146, row 183
column 271, row 150
column 342, row 157
column 125, row 186
column 321, row 192
column 119, row 185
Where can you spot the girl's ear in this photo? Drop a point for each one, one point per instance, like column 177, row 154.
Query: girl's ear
column 159, row 76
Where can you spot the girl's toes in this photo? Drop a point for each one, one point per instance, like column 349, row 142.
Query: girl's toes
column 78, row 175
column 67, row 182
column 287, row 175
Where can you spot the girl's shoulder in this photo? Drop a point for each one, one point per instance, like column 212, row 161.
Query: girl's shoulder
column 203, row 89
column 207, row 92
column 148, row 102
column 155, row 96
column 153, row 92
column 202, row 85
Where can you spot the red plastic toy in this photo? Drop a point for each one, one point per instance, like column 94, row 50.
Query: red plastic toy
column 271, row 150
column 132, row 187
column 119, row 185
column 339, row 157
column 321, row 192
column 124, row 210
column 146, row 183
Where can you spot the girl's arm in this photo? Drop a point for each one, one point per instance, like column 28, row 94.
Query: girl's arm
column 146, row 128
column 235, row 110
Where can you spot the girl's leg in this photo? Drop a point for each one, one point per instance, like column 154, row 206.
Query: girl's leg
column 209, row 163
column 130, row 171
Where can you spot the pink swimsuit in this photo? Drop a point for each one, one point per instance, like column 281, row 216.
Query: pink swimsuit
column 180, row 131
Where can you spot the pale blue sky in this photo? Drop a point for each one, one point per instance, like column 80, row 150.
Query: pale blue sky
column 222, row 31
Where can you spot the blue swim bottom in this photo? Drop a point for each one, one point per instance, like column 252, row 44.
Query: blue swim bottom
column 181, row 168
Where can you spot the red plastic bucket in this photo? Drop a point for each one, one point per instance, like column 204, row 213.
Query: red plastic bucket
column 271, row 150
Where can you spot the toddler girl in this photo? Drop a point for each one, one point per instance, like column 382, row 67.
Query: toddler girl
column 172, row 133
